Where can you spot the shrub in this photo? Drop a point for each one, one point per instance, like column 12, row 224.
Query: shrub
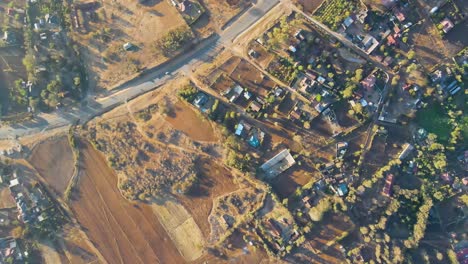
column 174, row 40
column 188, row 92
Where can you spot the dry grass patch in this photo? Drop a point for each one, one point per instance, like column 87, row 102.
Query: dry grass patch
column 180, row 225
column 106, row 28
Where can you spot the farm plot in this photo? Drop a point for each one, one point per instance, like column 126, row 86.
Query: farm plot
column 76, row 247
column 309, row 6
column 213, row 181
column 105, row 28
column 185, row 119
column 54, row 161
column 333, row 12
column 286, row 183
column 6, row 200
column 179, row 224
column 247, row 76
column 121, row 231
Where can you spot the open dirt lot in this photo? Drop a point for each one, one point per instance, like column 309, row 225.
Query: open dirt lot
column 125, row 21
column 322, row 247
column 221, row 11
column 185, row 119
column 11, row 69
column 6, row 200
column 287, row 182
column 309, row 6
column 76, row 248
column 121, row 231
column 213, row 181
column 247, row 76
column 54, row 160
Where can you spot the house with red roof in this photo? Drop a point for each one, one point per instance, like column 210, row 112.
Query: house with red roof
column 369, row 82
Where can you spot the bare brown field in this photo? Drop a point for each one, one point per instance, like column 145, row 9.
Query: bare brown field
column 6, row 200
column 54, row 160
column 428, row 46
column 185, row 119
column 246, row 75
column 322, row 247
column 287, row 182
column 221, row 11
column 309, row 5
column 125, row 21
column 122, row 231
column 77, row 252
column 213, row 181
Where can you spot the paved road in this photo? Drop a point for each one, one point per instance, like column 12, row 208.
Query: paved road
column 150, row 80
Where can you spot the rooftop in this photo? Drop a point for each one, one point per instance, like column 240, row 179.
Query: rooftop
column 369, row 82
column 279, row 163
column 447, row 25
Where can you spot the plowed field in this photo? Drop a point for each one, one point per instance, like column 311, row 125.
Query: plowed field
column 123, row 232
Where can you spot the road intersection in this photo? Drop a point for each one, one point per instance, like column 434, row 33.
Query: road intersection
column 149, row 80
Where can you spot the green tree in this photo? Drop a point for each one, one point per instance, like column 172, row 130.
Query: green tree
column 348, row 91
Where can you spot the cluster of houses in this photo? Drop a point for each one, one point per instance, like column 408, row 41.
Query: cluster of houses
column 31, row 201
column 447, row 16
column 10, row 251
column 312, row 85
column 87, row 8
column 282, row 232
column 387, row 33
column 368, row 94
column 335, row 179
column 444, row 79
column 321, row 98
column 252, row 102
column 49, row 21
column 253, row 135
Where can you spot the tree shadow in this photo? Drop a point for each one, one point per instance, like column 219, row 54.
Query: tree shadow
column 149, row 3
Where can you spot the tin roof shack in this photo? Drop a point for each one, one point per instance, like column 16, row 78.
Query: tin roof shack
column 253, row 135
column 9, row 37
column 407, row 150
column 278, row 164
column 274, row 228
column 341, row 148
column 306, row 201
column 233, row 93
column 342, row 189
column 9, row 251
column 202, row 101
column 387, row 189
